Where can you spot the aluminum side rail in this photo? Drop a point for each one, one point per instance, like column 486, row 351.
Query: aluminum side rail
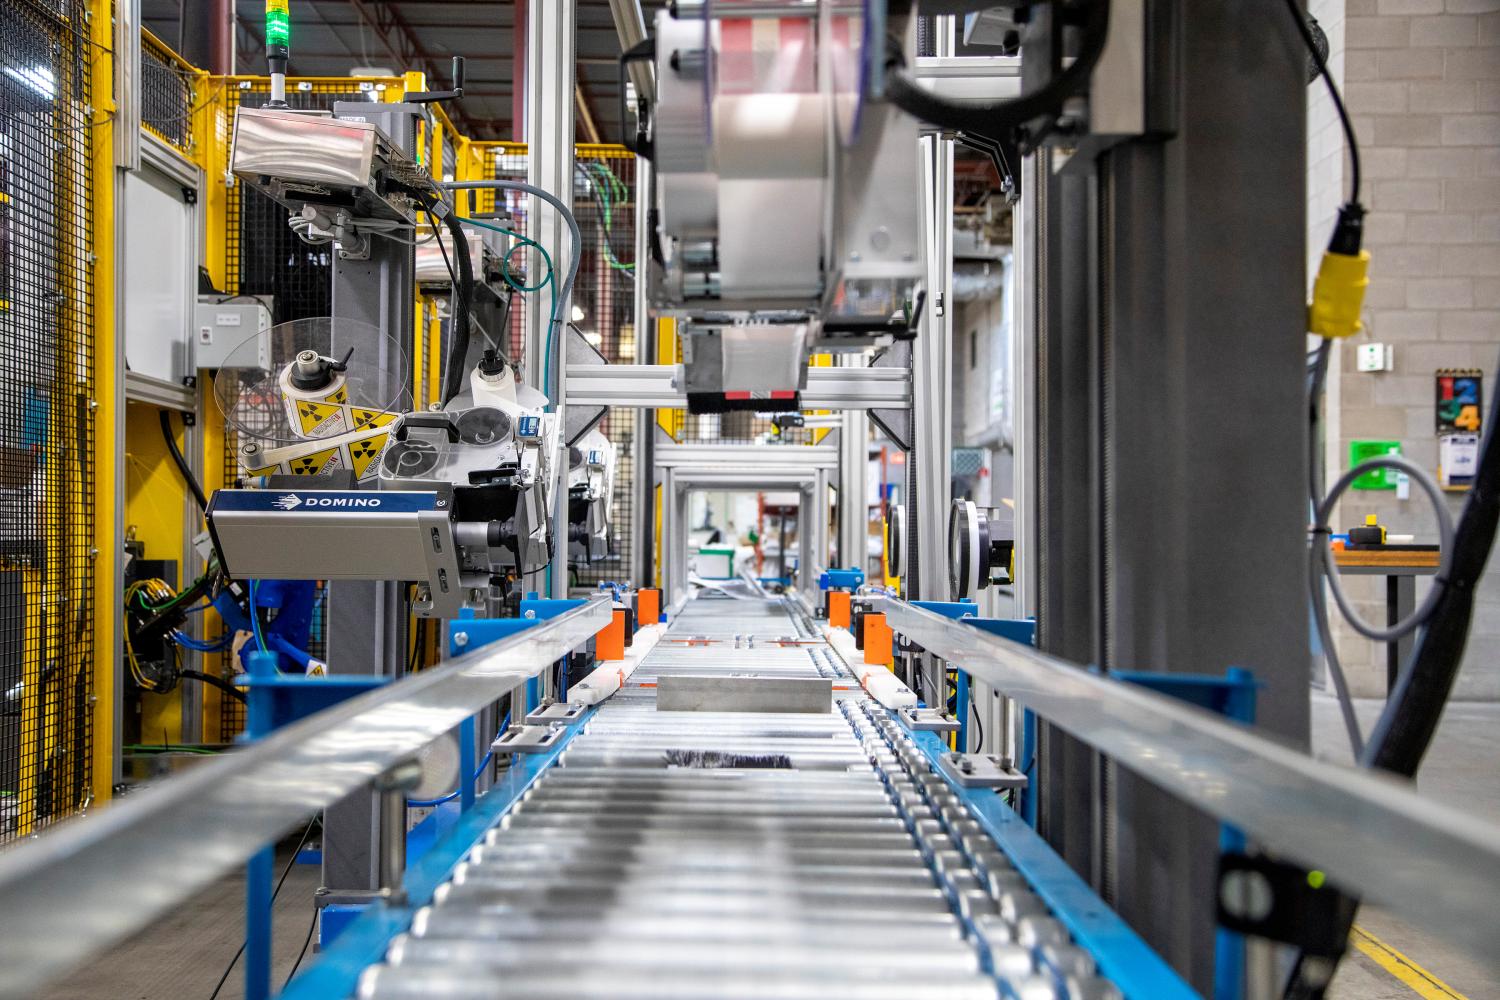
column 656, row 386
column 93, row 881
column 1430, row 864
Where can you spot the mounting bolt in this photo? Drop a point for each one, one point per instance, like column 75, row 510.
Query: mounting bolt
column 461, row 639
column 529, row 614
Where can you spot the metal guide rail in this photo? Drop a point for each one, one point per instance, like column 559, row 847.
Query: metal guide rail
column 1431, row 864
column 738, row 854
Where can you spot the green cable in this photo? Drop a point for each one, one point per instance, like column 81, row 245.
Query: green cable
column 546, row 282
column 602, row 172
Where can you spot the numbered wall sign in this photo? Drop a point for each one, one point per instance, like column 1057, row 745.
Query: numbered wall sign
column 1460, row 401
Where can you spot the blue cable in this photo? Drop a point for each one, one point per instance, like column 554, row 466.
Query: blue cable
column 214, row 646
column 488, row 756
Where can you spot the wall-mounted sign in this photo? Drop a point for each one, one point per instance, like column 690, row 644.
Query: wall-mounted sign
column 1460, row 418
column 1460, row 400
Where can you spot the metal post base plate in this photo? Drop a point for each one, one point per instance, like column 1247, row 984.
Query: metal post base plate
column 980, row 770
column 528, row 739
column 555, row 711
column 927, row 720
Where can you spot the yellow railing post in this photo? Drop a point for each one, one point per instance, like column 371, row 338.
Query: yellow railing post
column 108, row 378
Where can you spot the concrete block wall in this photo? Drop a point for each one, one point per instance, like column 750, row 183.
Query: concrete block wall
column 1421, row 79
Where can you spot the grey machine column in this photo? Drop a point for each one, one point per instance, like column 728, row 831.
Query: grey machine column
column 1171, row 447
column 1203, row 356
column 366, row 621
column 550, row 79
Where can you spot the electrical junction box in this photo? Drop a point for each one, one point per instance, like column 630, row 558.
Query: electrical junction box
column 220, row 327
column 1375, row 358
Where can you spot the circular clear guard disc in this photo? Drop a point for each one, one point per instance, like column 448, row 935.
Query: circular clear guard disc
column 310, row 379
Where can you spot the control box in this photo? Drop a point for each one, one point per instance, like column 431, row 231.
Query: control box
column 220, row 326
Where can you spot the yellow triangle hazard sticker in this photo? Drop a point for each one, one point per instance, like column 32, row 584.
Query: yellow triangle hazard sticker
column 269, row 470
column 317, row 463
column 362, row 454
column 369, row 418
column 311, row 414
column 340, row 395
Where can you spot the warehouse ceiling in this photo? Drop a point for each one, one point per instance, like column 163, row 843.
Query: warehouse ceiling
column 332, row 37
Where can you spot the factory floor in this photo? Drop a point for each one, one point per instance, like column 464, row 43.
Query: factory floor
column 1391, row 960
column 184, row 954
column 182, row 957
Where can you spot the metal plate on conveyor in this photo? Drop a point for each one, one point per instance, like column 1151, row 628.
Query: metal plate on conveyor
column 720, row 693
column 555, row 711
column 528, row 739
column 927, row 720
column 980, row 770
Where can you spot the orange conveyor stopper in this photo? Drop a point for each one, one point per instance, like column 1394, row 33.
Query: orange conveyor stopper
column 878, row 636
column 838, row 608
column 609, row 642
column 647, row 606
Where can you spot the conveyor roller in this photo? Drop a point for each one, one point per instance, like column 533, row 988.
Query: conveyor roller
column 735, row 854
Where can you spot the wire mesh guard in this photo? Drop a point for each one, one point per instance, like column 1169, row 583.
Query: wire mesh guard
column 46, row 418
column 166, row 97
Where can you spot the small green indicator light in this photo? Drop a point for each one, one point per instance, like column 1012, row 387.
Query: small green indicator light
column 1316, row 879
column 278, row 23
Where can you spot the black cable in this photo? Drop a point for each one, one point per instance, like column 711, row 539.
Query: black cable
column 1002, row 117
column 276, row 892
column 210, row 679
column 459, row 337
column 1414, row 709
column 306, row 940
column 180, row 462
column 1321, row 62
column 418, row 639
column 978, row 743
column 458, row 330
column 442, row 248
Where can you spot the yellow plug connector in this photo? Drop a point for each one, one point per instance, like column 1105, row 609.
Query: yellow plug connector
column 1339, row 294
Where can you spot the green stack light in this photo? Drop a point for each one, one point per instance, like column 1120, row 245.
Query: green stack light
column 278, row 24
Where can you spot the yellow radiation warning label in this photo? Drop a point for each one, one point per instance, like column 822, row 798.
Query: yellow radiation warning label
column 362, row 418
column 339, row 395
column 362, row 455
column 319, row 463
column 319, row 419
column 358, row 451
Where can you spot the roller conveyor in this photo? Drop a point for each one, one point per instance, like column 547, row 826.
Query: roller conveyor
column 736, row 854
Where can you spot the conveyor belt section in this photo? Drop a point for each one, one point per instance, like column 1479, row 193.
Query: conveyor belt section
column 627, row 872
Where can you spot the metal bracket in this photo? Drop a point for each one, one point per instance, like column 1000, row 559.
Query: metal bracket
column 980, row 770
column 528, row 739
column 555, row 711
column 927, row 720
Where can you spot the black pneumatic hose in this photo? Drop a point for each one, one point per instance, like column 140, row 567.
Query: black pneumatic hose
column 180, row 462
column 458, row 332
column 565, row 293
column 1411, row 716
column 211, row 680
column 1410, row 719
